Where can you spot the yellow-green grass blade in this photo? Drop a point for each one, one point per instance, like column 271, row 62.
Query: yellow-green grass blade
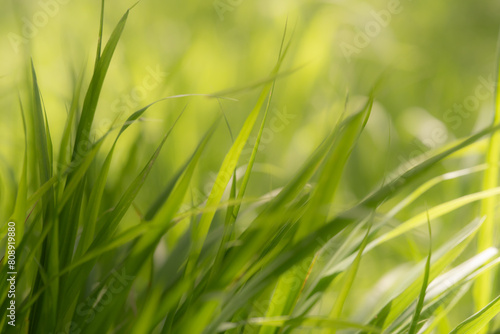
column 248, row 171
column 434, row 310
column 446, row 290
column 332, row 269
column 226, row 170
column 478, row 321
column 97, row 81
column 348, row 280
column 232, row 211
column 442, row 258
column 483, row 288
column 462, row 284
column 78, row 168
column 412, row 173
column 286, row 293
column 434, row 212
column 396, row 312
column 421, row 297
column 162, row 219
column 399, row 182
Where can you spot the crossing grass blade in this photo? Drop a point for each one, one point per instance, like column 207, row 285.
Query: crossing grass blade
column 442, row 258
column 348, row 280
column 421, row 297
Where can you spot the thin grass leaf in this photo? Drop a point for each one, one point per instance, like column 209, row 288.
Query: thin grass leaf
column 421, row 296
column 227, row 168
column 95, row 87
column 435, row 212
column 64, row 146
column 441, row 259
column 479, row 320
column 348, row 280
column 484, row 287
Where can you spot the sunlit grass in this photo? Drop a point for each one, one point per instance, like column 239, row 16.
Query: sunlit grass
column 93, row 256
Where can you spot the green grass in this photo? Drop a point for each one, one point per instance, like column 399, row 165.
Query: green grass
column 104, row 246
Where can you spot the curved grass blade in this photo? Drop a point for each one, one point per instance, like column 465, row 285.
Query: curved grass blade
column 434, row 212
column 332, row 269
column 479, row 320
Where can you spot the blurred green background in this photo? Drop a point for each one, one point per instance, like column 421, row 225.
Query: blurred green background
column 437, row 60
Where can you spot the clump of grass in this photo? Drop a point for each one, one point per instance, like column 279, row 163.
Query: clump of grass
column 81, row 271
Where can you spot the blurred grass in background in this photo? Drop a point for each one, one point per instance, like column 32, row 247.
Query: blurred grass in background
column 434, row 52
column 437, row 59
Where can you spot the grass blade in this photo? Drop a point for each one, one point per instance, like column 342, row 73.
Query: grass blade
column 421, row 296
column 483, row 289
column 479, row 320
column 336, row 311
